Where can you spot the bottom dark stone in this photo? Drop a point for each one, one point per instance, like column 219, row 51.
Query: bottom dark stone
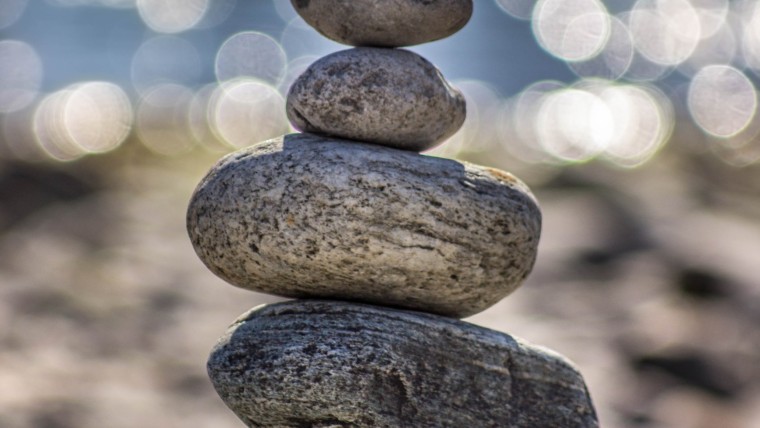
column 313, row 363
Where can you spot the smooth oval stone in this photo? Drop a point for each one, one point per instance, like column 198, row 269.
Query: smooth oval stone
column 308, row 216
column 386, row 23
column 390, row 97
column 314, row 363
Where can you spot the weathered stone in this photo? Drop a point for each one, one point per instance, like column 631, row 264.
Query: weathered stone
column 313, row 363
column 390, row 97
column 387, row 23
column 308, row 216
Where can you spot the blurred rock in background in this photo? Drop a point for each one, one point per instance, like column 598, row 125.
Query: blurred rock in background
column 635, row 123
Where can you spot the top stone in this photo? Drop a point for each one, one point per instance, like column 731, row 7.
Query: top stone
column 385, row 23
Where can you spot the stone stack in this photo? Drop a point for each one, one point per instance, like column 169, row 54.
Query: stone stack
column 386, row 248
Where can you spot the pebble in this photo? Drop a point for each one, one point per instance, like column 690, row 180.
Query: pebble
column 386, row 23
column 390, row 97
column 314, row 363
column 313, row 217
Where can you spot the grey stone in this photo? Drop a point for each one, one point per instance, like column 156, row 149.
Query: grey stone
column 309, row 216
column 385, row 23
column 390, row 97
column 313, row 363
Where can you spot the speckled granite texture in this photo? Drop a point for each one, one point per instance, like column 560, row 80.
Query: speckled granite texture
column 308, row 216
column 388, row 23
column 315, row 363
column 390, row 97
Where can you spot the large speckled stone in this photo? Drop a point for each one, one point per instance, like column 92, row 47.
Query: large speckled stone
column 388, row 23
column 391, row 97
column 308, row 216
column 315, row 363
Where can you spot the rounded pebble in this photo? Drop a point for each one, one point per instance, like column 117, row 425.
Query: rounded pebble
column 386, row 23
column 390, row 97
column 334, row 364
column 308, row 216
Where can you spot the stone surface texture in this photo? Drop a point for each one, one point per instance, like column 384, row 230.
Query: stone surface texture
column 307, row 216
column 385, row 23
column 314, row 363
column 390, row 97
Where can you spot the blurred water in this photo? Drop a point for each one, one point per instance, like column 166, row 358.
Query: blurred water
column 619, row 67
column 97, row 42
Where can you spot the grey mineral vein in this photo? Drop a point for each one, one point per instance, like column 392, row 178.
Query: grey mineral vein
column 391, row 97
column 315, row 363
column 308, row 216
column 388, row 23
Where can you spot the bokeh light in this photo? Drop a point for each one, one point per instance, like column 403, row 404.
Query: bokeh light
column 520, row 9
column 11, row 11
column 85, row 118
column 665, row 31
column 722, row 100
column 163, row 119
column 285, row 10
column 50, row 128
column 720, row 47
column 623, row 124
column 626, row 55
column 518, row 131
column 21, row 75
column 478, row 133
column 712, row 15
column 741, row 149
column 253, row 55
column 572, row 30
column 300, row 39
column 642, row 124
column 628, row 118
column 172, row 16
column 97, row 116
column 17, row 132
column 114, row 4
column 244, row 112
column 165, row 59
column 200, row 122
column 573, row 125
column 217, row 13
column 615, row 58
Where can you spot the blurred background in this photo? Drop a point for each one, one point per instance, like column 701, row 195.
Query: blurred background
column 635, row 123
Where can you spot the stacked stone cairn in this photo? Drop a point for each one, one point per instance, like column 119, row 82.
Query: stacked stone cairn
column 386, row 247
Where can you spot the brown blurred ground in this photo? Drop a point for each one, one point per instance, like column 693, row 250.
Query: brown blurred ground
column 648, row 279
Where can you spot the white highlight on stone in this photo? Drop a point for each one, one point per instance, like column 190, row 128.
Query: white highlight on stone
column 722, row 100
